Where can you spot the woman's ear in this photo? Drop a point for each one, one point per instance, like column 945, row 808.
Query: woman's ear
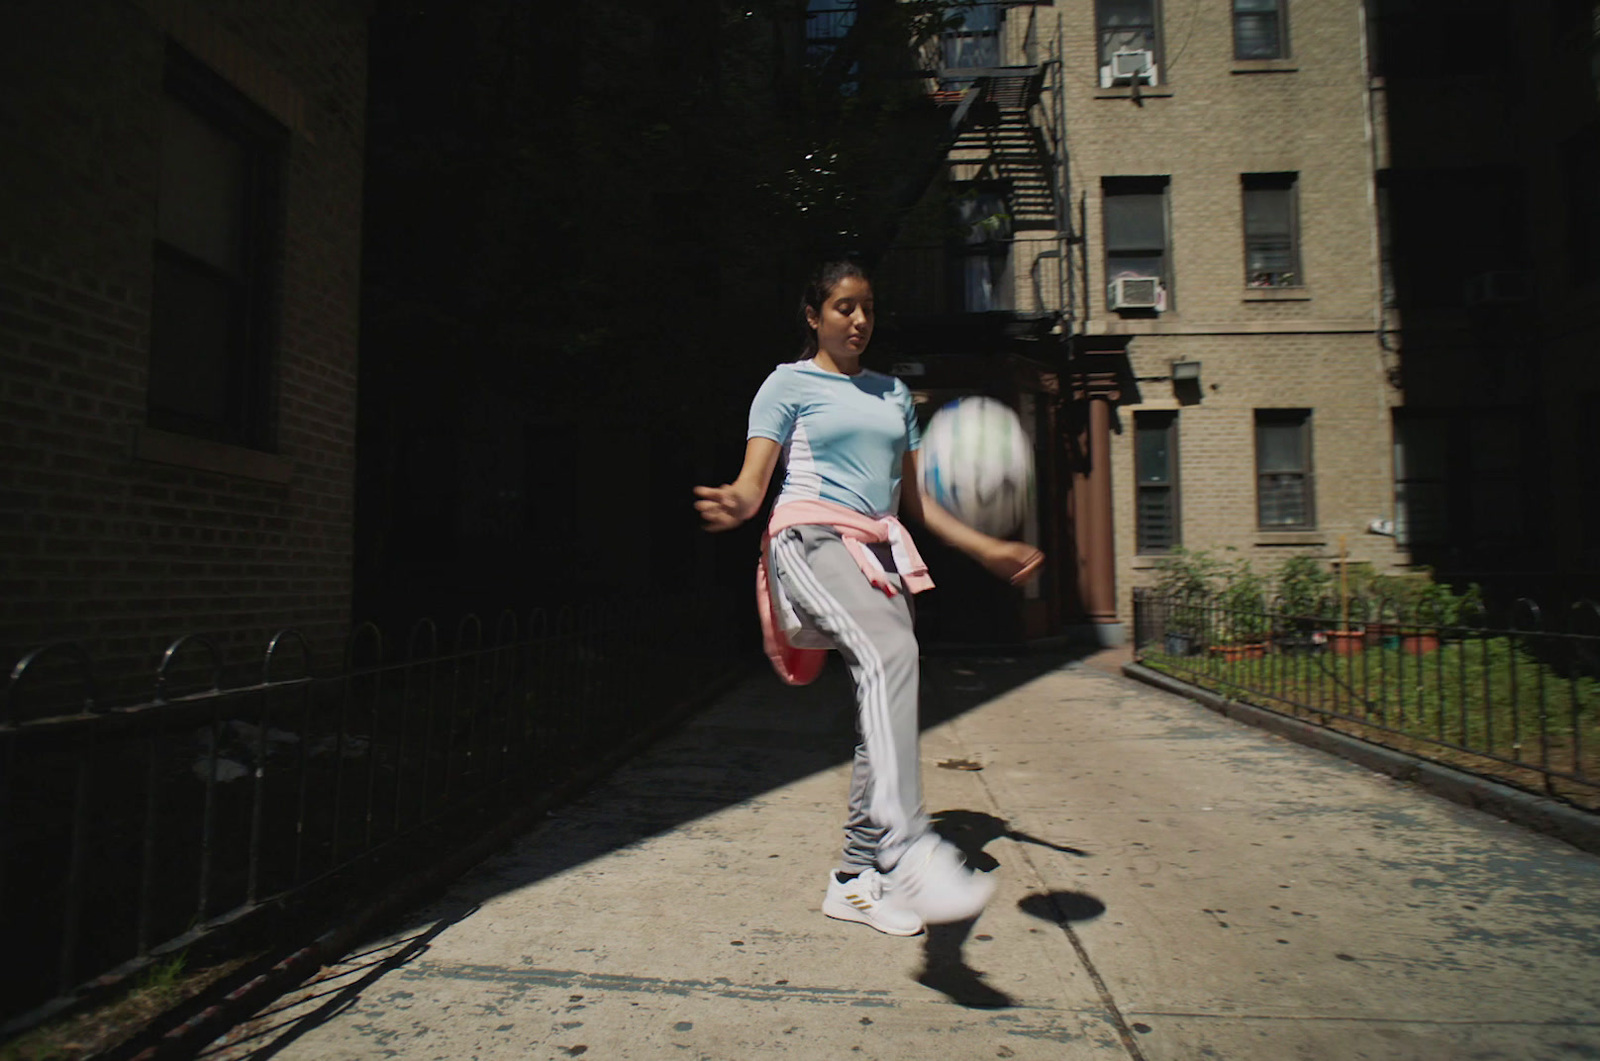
column 812, row 320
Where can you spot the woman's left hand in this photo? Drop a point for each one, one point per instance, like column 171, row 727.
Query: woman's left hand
column 1016, row 562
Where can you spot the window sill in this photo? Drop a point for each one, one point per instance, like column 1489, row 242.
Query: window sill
column 166, row 447
column 1145, row 92
column 1148, row 561
column 1305, row 537
column 1277, row 294
column 1265, row 66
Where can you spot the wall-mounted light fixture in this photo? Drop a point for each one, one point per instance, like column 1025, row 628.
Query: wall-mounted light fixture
column 1186, row 372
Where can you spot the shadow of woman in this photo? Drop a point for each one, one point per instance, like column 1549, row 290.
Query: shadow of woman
column 944, row 966
column 945, row 969
column 971, row 831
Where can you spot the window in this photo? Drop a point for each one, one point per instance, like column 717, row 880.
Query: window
column 1129, row 39
column 1259, row 30
column 1284, row 488
column 1460, row 479
column 1588, row 470
column 828, row 24
column 1135, row 220
column 1437, row 259
column 1155, row 460
column 975, row 43
column 216, row 241
column 1581, row 161
column 1421, row 479
column 1271, row 230
column 984, row 254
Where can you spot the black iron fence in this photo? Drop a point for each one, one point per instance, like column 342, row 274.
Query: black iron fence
column 1517, row 700
column 134, row 831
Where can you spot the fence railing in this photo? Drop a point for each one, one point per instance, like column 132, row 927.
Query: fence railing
column 1517, row 701
column 134, row 831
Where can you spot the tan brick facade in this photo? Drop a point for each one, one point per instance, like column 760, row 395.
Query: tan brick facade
column 117, row 535
column 1315, row 346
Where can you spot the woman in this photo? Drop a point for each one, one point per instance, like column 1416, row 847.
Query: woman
column 840, row 568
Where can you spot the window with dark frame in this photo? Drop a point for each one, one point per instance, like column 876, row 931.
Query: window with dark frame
column 974, row 43
column 1580, row 157
column 1260, row 30
column 1156, row 522
column 983, row 254
column 216, row 246
column 1285, row 486
column 1421, row 478
column 1125, row 26
column 1460, row 479
column 1271, row 229
column 1588, row 469
column 1134, row 217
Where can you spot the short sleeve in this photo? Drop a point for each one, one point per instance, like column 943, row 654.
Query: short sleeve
column 773, row 411
column 913, row 430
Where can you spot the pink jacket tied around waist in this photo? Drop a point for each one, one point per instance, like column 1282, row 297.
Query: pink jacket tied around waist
column 796, row 648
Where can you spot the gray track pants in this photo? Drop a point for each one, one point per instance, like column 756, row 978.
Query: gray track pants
column 873, row 632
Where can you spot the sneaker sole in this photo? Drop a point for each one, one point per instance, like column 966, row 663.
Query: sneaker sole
column 850, row 913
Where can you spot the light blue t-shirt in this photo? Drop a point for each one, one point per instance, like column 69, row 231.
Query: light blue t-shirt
column 843, row 437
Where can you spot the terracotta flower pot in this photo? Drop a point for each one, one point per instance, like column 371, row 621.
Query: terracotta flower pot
column 1420, row 644
column 1233, row 653
column 1346, row 642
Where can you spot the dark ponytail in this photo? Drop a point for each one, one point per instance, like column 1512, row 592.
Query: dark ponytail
column 823, row 280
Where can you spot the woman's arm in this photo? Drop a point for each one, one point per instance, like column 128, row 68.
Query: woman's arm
column 725, row 507
column 1015, row 562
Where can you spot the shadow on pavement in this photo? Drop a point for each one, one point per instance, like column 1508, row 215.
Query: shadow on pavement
column 759, row 738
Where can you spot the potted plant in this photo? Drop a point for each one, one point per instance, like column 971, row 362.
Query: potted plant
column 1244, row 621
column 1355, row 590
column 1186, row 579
column 1303, row 587
column 1438, row 607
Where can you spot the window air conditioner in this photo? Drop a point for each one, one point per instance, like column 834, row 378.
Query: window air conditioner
column 1128, row 67
column 1502, row 287
column 1137, row 292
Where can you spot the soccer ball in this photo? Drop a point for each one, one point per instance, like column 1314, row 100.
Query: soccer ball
column 977, row 464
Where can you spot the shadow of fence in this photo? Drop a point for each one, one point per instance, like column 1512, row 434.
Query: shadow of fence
column 132, row 832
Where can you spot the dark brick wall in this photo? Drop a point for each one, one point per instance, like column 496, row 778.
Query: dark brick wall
column 110, row 534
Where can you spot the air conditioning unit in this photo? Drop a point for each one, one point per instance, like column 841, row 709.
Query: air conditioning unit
column 1137, row 292
column 1501, row 287
column 1129, row 67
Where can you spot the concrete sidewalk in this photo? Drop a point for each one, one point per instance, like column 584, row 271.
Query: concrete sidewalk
column 1173, row 885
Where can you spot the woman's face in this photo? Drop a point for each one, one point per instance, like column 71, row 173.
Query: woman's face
column 844, row 326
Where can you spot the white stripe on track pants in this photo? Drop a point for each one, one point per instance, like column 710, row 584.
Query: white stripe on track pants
column 873, row 631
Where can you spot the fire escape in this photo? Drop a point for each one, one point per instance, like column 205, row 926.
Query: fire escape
column 998, row 279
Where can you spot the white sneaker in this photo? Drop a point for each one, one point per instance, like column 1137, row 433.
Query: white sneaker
column 934, row 882
column 864, row 898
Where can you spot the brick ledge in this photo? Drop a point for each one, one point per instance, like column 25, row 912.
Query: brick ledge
column 167, row 447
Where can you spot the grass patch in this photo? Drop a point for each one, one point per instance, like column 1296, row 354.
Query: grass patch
column 1484, row 705
column 92, row 1031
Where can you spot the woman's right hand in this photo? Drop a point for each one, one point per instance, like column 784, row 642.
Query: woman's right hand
column 720, row 507
column 725, row 507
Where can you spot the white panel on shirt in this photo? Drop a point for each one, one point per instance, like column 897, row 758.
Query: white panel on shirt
column 801, row 482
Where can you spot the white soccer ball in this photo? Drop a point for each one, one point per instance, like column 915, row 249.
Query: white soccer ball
column 977, row 464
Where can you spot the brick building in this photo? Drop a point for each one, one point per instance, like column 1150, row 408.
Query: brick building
column 1493, row 194
column 180, row 219
column 1170, row 210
